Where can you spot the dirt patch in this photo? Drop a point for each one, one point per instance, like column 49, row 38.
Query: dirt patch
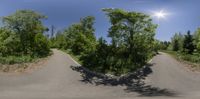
column 194, row 67
column 24, row 67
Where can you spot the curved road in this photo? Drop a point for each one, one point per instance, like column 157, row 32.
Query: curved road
column 56, row 80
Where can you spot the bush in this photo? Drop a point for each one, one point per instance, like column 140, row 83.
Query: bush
column 191, row 58
column 41, row 47
column 9, row 42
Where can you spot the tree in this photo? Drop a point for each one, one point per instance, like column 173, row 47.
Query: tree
column 132, row 36
column 196, row 41
column 98, row 60
column 156, row 46
column 164, row 45
column 59, row 41
column 132, row 33
column 80, row 36
column 24, row 25
column 188, row 45
column 177, row 42
column 41, row 47
column 87, row 27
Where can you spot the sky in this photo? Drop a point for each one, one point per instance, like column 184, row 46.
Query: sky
column 182, row 15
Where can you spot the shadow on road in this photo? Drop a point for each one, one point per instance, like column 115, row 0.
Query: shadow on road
column 134, row 82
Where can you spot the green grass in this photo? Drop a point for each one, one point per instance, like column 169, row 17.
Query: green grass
column 75, row 57
column 18, row 63
column 17, row 59
column 172, row 53
column 10, row 60
column 191, row 59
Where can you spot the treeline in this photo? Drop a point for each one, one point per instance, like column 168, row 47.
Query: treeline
column 184, row 46
column 132, row 42
column 187, row 45
column 162, row 45
column 78, row 38
column 21, row 37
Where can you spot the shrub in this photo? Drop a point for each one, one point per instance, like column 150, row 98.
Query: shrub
column 41, row 47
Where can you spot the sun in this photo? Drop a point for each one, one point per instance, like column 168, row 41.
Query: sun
column 160, row 14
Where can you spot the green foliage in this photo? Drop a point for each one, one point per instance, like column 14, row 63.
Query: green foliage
column 16, row 59
column 9, row 42
column 160, row 45
column 177, row 42
column 183, row 43
column 191, row 58
column 59, row 41
column 188, row 45
column 196, row 41
column 78, row 37
column 41, row 47
column 98, row 60
column 132, row 35
column 26, row 24
column 82, row 45
column 22, row 35
column 164, row 45
column 87, row 27
column 156, row 46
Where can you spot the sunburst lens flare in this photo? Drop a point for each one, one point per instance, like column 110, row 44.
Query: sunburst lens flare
column 160, row 14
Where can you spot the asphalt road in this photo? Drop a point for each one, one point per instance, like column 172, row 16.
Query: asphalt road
column 56, row 80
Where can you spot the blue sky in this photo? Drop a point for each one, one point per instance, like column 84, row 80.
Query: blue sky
column 183, row 14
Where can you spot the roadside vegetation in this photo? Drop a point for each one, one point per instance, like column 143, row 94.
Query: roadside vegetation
column 132, row 42
column 185, row 47
column 22, row 39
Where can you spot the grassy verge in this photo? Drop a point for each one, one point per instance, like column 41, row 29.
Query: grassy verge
column 75, row 57
column 17, row 59
column 20, row 63
column 10, row 60
column 192, row 60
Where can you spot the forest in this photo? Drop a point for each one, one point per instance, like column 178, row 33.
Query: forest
column 186, row 46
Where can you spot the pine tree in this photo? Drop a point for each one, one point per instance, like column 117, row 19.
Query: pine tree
column 188, row 45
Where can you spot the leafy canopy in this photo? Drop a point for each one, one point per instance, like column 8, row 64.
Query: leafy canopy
column 132, row 38
column 22, row 34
